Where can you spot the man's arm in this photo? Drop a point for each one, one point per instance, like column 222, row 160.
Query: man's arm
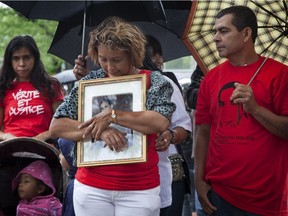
column 201, row 149
column 275, row 124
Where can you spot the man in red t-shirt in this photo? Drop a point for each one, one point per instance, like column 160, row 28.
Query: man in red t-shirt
column 241, row 152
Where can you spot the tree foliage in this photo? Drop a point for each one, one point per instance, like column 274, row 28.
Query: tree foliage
column 13, row 24
column 181, row 63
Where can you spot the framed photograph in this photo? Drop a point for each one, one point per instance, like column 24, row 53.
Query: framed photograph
column 126, row 93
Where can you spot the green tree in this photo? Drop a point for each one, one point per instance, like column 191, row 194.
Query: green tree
column 13, row 24
column 181, row 63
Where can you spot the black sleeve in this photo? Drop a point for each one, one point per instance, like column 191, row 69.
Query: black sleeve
column 172, row 76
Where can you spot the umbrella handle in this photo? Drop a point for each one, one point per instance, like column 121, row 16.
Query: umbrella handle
column 257, row 71
column 83, row 30
column 255, row 74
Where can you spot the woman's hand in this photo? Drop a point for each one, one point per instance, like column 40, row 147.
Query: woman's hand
column 163, row 141
column 114, row 139
column 8, row 136
column 96, row 125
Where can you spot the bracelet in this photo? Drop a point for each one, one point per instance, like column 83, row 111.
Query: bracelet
column 172, row 136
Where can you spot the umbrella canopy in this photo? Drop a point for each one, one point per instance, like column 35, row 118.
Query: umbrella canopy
column 272, row 38
column 61, row 10
column 77, row 12
column 67, row 39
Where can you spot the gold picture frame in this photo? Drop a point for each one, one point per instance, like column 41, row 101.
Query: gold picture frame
column 127, row 93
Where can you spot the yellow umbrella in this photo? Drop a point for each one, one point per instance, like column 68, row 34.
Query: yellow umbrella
column 272, row 38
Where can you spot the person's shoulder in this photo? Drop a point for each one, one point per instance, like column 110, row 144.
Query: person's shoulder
column 217, row 69
column 158, row 79
column 170, row 74
column 173, row 78
column 276, row 63
column 95, row 74
column 220, row 66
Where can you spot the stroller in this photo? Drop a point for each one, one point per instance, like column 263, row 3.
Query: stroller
column 16, row 154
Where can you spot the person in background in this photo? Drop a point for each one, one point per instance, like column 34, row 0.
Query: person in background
column 178, row 131
column 241, row 150
column 171, row 197
column 122, row 190
column 191, row 99
column 28, row 95
column 66, row 161
column 36, row 191
column 154, row 50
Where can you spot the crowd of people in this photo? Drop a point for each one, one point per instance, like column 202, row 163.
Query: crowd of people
column 237, row 126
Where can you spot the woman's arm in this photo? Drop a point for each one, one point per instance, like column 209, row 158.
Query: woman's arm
column 46, row 134
column 66, row 128
column 146, row 122
column 4, row 136
column 175, row 136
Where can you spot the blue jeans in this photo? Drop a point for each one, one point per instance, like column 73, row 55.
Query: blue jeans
column 224, row 208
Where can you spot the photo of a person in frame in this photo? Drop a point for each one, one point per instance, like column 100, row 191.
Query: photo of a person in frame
column 123, row 102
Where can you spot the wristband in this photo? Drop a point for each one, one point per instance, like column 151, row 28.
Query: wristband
column 172, row 136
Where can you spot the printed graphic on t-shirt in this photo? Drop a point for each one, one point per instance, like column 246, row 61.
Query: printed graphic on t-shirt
column 230, row 119
column 233, row 112
column 24, row 106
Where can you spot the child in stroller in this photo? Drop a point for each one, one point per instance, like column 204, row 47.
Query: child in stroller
column 18, row 153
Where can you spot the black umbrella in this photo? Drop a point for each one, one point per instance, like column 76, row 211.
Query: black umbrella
column 67, row 39
column 62, row 10
column 89, row 12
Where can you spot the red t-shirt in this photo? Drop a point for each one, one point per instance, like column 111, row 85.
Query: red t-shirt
column 246, row 164
column 107, row 177
column 26, row 112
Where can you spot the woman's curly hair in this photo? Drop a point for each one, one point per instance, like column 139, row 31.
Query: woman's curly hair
column 116, row 33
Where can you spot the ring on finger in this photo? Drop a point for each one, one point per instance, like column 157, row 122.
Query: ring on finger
column 165, row 140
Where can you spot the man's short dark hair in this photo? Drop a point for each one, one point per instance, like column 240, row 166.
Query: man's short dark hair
column 242, row 17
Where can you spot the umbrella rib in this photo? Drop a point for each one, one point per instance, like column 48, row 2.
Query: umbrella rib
column 269, row 12
column 285, row 6
column 162, row 7
column 271, row 44
column 278, row 26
